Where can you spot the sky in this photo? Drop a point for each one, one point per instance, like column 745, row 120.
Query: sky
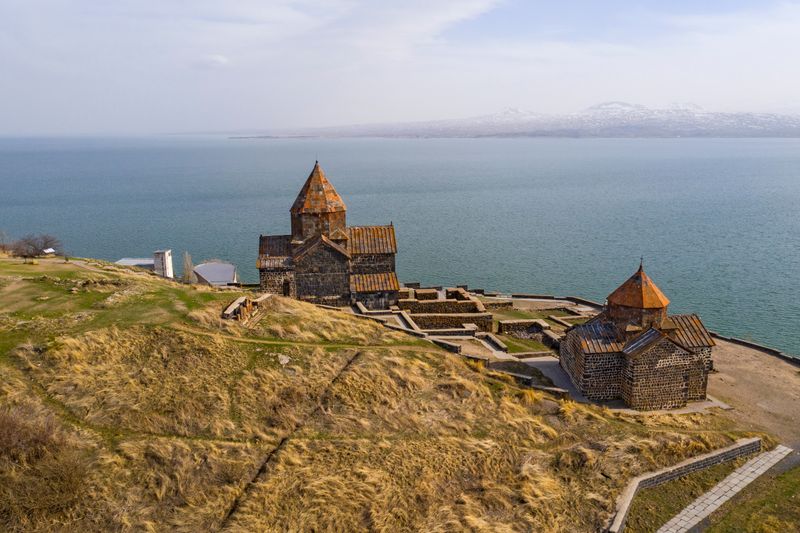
column 84, row 67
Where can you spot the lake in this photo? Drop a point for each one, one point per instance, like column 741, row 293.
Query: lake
column 716, row 220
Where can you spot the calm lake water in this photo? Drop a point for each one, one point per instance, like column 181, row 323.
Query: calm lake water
column 717, row 220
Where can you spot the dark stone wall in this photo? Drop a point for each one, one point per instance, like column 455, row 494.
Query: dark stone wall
column 372, row 263
column 322, row 276
column 280, row 282
column 659, row 378
column 440, row 306
column 376, row 300
column 446, row 321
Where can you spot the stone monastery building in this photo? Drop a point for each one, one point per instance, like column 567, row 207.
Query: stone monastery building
column 324, row 260
column 636, row 352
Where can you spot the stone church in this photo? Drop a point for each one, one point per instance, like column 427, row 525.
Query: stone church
column 635, row 351
column 324, row 260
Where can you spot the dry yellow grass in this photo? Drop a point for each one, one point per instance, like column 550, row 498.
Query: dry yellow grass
column 129, row 409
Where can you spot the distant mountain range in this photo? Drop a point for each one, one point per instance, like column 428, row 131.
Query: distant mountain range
column 609, row 119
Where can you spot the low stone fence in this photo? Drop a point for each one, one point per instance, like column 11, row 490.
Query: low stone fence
column 760, row 347
column 441, row 306
column 426, row 294
column 459, row 293
column 507, row 304
column 551, row 338
column 739, row 448
column 452, row 320
column 513, row 327
column 493, row 341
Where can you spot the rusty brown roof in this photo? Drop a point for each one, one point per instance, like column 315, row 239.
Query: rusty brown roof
column 599, row 337
column 371, row 240
column 640, row 292
column 275, row 245
column 690, row 332
column 318, row 195
column 383, row 281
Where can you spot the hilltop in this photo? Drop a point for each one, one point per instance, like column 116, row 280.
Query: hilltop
column 126, row 403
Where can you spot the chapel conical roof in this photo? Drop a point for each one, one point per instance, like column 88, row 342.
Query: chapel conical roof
column 318, row 195
column 639, row 292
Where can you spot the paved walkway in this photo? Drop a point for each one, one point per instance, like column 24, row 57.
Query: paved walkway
column 724, row 491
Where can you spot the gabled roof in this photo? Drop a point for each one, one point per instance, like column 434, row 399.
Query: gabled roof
column 597, row 336
column 642, row 342
column 317, row 195
column 319, row 240
column 639, row 292
column 371, row 240
column 275, row 245
column 690, row 332
column 380, row 282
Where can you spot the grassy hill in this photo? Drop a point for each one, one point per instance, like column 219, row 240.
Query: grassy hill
column 125, row 403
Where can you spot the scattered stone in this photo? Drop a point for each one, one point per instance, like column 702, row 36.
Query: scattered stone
column 283, row 359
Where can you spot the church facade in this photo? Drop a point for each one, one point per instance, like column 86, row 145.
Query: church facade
column 635, row 351
column 326, row 261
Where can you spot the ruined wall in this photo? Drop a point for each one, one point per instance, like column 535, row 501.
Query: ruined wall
column 658, row 378
column 426, row 294
column 440, row 306
column 376, row 300
column 445, row 321
column 521, row 328
column 279, row 282
column 372, row 263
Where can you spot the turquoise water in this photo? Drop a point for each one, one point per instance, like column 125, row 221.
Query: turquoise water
column 717, row 220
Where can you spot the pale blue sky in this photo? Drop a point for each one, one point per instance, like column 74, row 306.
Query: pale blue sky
column 152, row 66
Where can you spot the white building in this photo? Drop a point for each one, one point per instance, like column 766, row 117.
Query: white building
column 162, row 263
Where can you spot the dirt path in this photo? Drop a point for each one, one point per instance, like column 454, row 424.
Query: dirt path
column 763, row 390
column 264, row 467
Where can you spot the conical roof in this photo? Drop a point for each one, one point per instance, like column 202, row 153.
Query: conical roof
column 639, row 292
column 318, row 195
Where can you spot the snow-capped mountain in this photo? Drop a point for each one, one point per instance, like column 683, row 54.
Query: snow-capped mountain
column 608, row 119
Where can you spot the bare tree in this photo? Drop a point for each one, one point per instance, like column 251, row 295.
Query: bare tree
column 46, row 241
column 31, row 245
column 188, row 269
column 4, row 242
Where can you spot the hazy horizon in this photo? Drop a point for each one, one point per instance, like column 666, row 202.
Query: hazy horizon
column 145, row 67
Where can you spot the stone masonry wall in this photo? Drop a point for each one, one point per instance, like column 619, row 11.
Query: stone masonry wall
column 322, row 276
column 658, row 378
column 372, row 263
column 445, row 321
column 440, row 306
column 602, row 376
column 277, row 282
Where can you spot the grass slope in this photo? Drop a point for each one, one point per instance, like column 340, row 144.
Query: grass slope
column 125, row 404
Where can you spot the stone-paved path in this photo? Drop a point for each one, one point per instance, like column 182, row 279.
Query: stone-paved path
column 724, row 491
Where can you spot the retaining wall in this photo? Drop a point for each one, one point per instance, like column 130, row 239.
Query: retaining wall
column 653, row 479
column 441, row 306
column 452, row 320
